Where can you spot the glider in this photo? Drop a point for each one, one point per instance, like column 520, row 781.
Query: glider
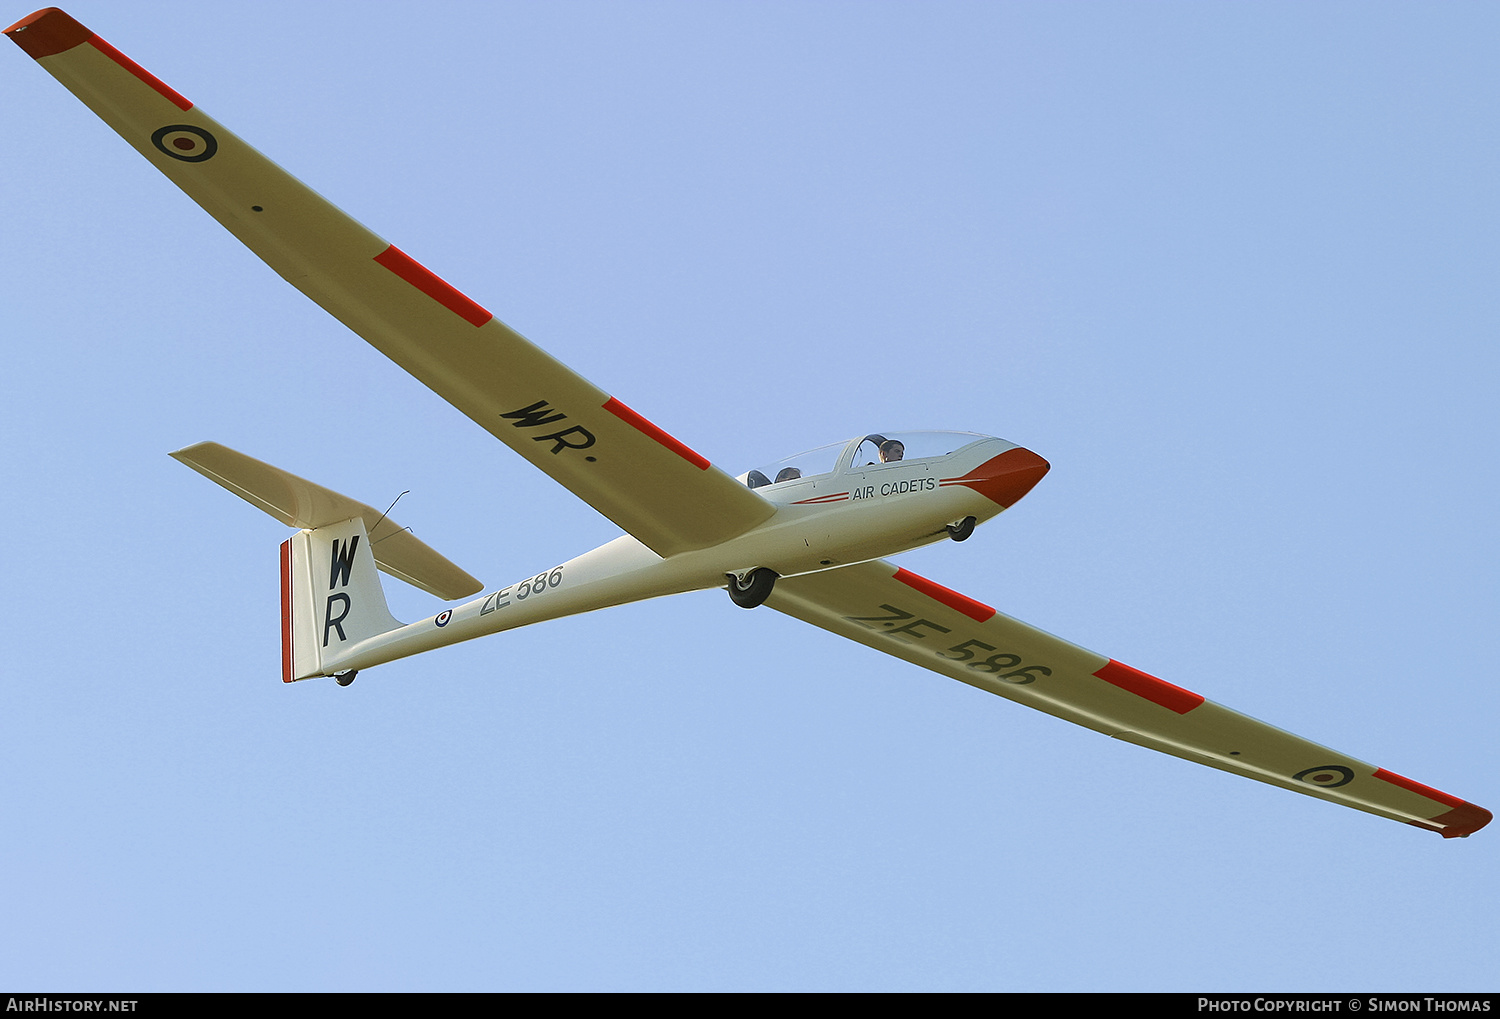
column 806, row 536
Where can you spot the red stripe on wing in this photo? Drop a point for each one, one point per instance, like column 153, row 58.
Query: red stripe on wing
column 645, row 427
column 51, row 31
column 1464, row 819
column 175, row 98
column 433, row 285
column 1142, row 684
column 975, row 610
column 1419, row 788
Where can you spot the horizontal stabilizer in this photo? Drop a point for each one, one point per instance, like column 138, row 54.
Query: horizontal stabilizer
column 297, row 502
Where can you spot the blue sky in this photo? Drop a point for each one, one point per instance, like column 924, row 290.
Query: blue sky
column 1230, row 268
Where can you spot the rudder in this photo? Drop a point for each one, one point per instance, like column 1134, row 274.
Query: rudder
column 331, row 598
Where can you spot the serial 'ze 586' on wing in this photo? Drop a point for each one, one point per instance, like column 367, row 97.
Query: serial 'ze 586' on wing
column 805, row 536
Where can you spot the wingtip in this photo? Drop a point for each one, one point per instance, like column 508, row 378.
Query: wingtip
column 186, row 452
column 1461, row 822
column 1458, row 823
column 47, row 32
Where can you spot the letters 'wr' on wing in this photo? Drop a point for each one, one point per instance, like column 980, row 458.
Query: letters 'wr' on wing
column 656, row 488
column 902, row 614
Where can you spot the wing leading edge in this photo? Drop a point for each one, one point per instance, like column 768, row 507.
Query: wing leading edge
column 655, row 487
column 905, row 615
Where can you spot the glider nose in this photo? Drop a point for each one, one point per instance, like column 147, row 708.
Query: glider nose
column 1015, row 472
column 1005, row 478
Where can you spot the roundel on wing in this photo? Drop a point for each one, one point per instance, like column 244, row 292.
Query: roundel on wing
column 185, row 142
column 1329, row 776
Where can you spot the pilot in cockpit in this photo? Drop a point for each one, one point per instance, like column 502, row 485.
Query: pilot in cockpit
column 889, row 450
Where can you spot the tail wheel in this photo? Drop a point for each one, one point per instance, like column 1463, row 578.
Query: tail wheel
column 961, row 530
column 754, row 589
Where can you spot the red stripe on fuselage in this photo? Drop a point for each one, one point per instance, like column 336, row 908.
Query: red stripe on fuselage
column 433, row 285
column 645, row 427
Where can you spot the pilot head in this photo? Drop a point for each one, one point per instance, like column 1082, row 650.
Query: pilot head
column 891, row 450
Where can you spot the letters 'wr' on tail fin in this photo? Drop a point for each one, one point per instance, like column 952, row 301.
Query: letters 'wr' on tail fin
column 331, row 598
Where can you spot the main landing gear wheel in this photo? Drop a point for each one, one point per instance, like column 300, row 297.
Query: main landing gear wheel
column 754, row 589
column 961, row 530
column 345, row 678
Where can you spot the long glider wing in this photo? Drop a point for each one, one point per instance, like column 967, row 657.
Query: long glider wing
column 903, row 614
column 656, row 488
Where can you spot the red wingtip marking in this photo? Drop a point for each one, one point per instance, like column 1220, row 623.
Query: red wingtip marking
column 286, row 611
column 1463, row 819
column 47, row 32
column 51, row 31
column 175, row 98
column 640, row 424
column 434, row 286
column 975, row 610
column 1143, row 684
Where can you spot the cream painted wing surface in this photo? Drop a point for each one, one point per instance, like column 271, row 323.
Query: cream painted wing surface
column 902, row 614
column 656, row 488
column 299, row 503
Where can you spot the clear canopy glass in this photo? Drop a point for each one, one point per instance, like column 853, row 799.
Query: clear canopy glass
column 804, row 465
column 900, row 447
column 871, row 450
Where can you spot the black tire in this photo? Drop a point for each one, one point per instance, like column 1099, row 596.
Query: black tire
column 754, row 589
column 961, row 530
column 345, row 678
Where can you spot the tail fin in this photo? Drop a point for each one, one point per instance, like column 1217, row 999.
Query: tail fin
column 331, row 598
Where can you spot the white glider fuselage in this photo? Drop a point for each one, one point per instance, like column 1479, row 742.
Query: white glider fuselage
column 861, row 509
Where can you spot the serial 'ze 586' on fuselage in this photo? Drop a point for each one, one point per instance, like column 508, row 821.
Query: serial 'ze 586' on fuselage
column 834, row 506
column 805, row 536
